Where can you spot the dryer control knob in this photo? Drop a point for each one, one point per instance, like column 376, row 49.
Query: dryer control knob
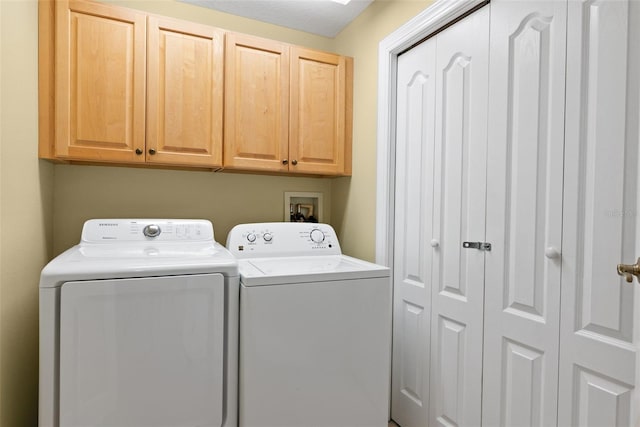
column 317, row 235
column 251, row 237
column 267, row 237
column 152, row 230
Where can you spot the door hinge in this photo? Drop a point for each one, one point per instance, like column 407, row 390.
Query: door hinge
column 483, row 246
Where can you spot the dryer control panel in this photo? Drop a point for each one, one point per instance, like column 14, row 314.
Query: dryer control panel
column 273, row 239
column 140, row 230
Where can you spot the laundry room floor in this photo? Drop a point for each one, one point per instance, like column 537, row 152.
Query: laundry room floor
column 392, row 424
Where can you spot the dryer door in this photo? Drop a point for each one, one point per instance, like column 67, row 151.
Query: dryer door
column 142, row 352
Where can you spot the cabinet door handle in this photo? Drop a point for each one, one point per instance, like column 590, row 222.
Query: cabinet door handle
column 152, row 151
column 139, row 151
column 285, row 161
column 294, row 162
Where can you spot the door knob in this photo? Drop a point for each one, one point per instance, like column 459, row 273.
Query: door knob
column 435, row 243
column 552, row 253
column 629, row 270
column 152, row 151
column 294, row 162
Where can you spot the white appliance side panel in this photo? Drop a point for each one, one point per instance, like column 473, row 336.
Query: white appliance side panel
column 142, row 352
column 48, row 380
column 315, row 354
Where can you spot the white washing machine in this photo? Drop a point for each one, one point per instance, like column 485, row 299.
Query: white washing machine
column 315, row 329
column 138, row 327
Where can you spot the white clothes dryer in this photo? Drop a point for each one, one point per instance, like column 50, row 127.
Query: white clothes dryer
column 138, row 327
column 315, row 329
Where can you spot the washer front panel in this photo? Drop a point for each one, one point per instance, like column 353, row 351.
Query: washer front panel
column 315, row 354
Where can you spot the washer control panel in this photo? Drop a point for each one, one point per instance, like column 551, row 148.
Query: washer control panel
column 282, row 239
column 140, row 230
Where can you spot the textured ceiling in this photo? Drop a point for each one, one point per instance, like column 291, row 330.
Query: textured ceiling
column 322, row 17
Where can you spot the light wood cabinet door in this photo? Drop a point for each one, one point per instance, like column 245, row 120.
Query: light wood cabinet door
column 318, row 112
column 99, row 82
column 256, row 104
column 184, row 93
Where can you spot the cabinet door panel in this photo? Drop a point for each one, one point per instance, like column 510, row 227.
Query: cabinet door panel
column 256, row 104
column 524, row 213
column 459, row 207
column 317, row 128
column 185, row 84
column 100, row 82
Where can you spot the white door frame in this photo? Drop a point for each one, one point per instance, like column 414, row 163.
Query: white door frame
column 431, row 20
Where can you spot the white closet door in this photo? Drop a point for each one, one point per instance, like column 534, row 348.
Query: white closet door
column 524, row 213
column 599, row 337
column 459, row 215
column 413, row 234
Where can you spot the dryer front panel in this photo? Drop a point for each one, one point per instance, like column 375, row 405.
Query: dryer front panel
column 142, row 352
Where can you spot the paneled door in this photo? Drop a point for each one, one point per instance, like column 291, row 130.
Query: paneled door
column 462, row 70
column 524, row 213
column 413, row 234
column 440, row 203
column 600, row 327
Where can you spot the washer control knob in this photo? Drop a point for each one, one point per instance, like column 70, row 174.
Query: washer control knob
column 317, row 236
column 152, row 230
column 251, row 237
column 267, row 237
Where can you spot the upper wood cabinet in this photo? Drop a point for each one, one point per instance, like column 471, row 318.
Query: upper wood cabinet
column 132, row 88
column 125, row 87
column 287, row 108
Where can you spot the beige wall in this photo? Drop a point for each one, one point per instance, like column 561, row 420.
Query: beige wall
column 37, row 197
column 84, row 192
column 25, row 213
column 1, row 132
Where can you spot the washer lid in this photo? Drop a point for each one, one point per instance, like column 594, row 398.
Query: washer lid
column 305, row 269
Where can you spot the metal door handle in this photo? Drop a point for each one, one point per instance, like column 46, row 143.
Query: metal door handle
column 483, row 246
column 629, row 270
